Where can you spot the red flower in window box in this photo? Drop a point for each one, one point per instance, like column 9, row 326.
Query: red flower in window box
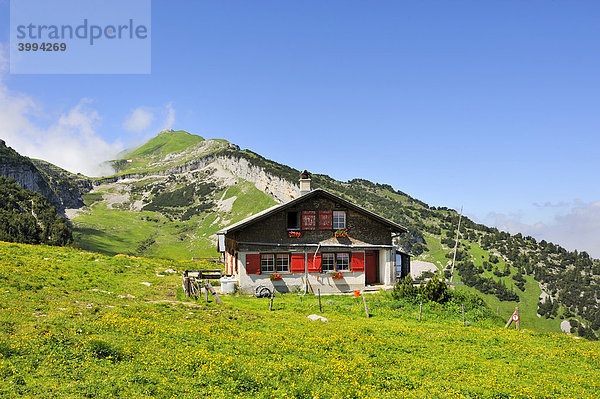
column 341, row 233
column 294, row 234
column 275, row 277
column 337, row 275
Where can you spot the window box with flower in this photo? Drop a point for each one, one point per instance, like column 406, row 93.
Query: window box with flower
column 337, row 275
column 275, row 276
column 294, row 234
column 340, row 233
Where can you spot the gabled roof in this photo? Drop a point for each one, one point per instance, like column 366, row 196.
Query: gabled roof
column 395, row 227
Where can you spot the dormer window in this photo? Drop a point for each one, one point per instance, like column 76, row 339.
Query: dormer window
column 339, row 220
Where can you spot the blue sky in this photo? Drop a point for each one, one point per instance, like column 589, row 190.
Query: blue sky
column 492, row 105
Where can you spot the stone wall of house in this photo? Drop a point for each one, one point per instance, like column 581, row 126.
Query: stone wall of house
column 362, row 229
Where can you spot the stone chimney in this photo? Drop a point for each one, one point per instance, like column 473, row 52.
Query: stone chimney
column 304, row 182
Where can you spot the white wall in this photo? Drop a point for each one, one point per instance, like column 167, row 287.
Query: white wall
column 292, row 281
column 387, row 267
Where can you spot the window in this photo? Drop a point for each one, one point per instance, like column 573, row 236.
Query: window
column 333, row 262
column 328, row 262
column 271, row 263
column 342, row 262
column 339, row 220
column 282, row 263
column 267, row 263
column 293, row 221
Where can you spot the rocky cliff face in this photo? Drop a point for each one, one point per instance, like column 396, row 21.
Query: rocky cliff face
column 27, row 176
column 280, row 189
column 62, row 189
column 67, row 188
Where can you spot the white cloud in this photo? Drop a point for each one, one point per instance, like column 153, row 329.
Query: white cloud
column 548, row 204
column 71, row 142
column 577, row 228
column 139, row 120
column 170, row 119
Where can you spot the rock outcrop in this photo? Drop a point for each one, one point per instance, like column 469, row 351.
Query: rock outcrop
column 280, row 189
column 62, row 189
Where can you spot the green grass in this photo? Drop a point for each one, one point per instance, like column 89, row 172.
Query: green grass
column 163, row 144
column 114, row 231
column 76, row 324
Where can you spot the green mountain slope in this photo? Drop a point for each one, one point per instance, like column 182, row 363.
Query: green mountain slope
column 174, row 232
column 179, row 189
column 168, row 200
column 78, row 324
column 168, row 149
column 167, row 142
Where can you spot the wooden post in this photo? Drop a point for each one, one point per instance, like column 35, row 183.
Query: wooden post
column 463, row 312
column 420, row 309
column 320, row 308
column 271, row 302
column 205, row 291
column 510, row 320
column 186, row 286
column 209, row 288
column 365, row 302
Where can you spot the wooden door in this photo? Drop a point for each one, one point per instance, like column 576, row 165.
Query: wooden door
column 371, row 269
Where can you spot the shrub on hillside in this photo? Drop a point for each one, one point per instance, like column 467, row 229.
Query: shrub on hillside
column 103, row 350
column 436, row 290
column 406, row 289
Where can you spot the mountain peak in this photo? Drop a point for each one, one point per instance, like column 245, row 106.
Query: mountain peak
column 166, row 142
column 165, row 149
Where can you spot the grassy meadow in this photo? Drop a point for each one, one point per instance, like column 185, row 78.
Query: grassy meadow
column 79, row 324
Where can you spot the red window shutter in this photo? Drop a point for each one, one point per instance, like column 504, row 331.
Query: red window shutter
column 357, row 263
column 253, row 264
column 297, row 263
column 309, row 220
column 314, row 266
column 325, row 220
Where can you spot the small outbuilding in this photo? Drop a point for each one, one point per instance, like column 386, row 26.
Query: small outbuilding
column 317, row 241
